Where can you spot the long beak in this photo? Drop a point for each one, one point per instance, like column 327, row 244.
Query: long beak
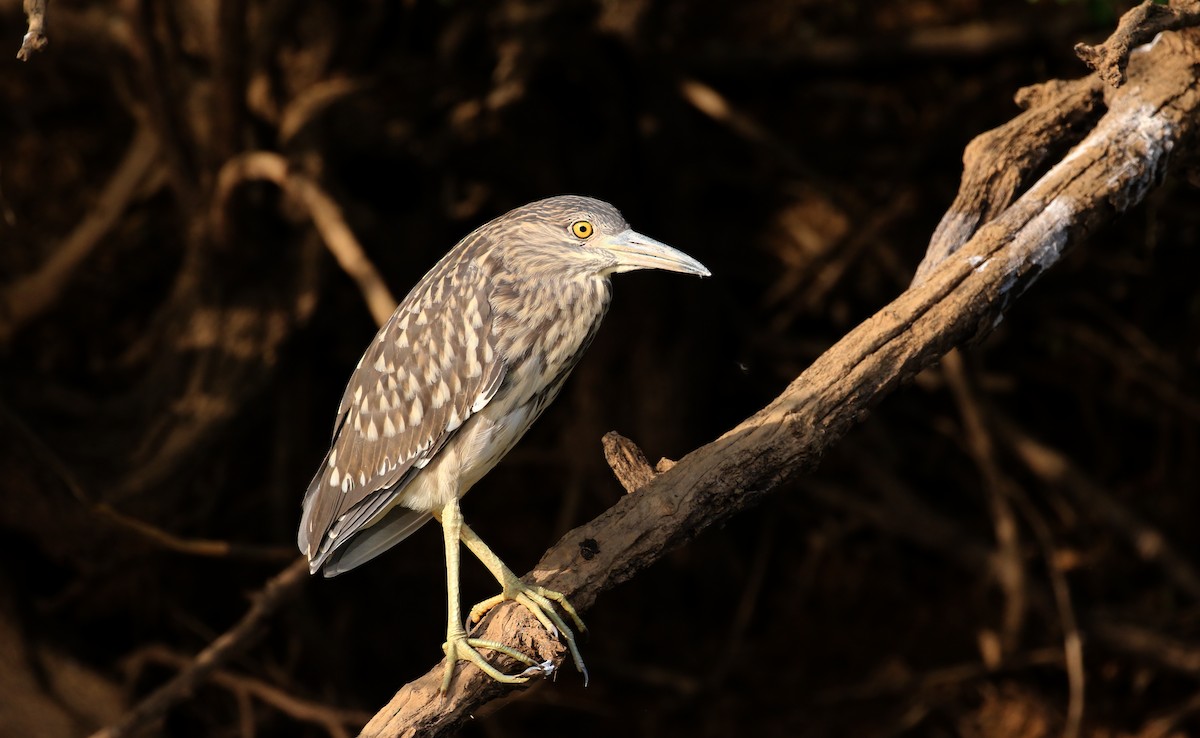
column 635, row 251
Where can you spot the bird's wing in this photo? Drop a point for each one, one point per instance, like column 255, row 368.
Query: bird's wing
column 430, row 367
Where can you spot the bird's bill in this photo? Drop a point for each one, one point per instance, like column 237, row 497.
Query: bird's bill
column 635, row 251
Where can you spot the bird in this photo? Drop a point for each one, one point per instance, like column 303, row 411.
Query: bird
column 452, row 380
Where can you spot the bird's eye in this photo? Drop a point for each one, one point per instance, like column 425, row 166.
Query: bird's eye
column 582, row 228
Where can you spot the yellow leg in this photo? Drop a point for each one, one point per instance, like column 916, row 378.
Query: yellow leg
column 535, row 599
column 457, row 645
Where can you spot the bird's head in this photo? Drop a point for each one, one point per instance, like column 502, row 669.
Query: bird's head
column 582, row 233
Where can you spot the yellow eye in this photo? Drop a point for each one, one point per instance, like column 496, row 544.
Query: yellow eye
column 582, row 228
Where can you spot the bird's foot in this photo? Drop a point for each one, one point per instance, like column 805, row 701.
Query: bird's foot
column 458, row 646
column 540, row 601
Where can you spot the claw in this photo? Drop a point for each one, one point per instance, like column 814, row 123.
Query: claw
column 539, row 601
column 458, row 646
column 545, row 669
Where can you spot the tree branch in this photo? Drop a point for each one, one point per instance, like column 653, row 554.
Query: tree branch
column 1136, row 27
column 277, row 591
column 1123, row 156
column 31, row 295
column 326, row 217
column 35, row 38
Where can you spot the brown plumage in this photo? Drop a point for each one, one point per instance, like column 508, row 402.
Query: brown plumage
column 471, row 357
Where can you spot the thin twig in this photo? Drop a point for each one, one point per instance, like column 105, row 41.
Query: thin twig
column 1057, row 470
column 162, row 107
column 982, row 448
column 233, row 641
column 1009, row 567
column 325, row 214
column 229, row 74
column 35, row 293
column 35, row 38
column 1135, row 28
column 162, row 538
column 330, row 718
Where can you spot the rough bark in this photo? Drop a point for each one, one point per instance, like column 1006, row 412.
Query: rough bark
column 963, row 294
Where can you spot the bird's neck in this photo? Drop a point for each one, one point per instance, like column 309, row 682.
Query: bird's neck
column 551, row 318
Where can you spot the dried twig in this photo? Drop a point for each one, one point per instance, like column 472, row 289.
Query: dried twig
column 627, row 462
column 331, row 719
column 1164, row 651
column 325, row 214
column 35, row 38
column 47, row 457
column 35, row 293
column 277, row 590
column 229, row 74
column 1136, row 27
column 1150, row 543
column 1009, row 568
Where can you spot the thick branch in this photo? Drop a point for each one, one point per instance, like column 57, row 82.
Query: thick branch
column 1112, row 169
column 999, row 164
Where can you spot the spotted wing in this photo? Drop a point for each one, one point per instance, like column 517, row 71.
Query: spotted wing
column 430, row 367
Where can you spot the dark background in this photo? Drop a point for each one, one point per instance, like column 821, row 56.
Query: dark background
column 804, row 151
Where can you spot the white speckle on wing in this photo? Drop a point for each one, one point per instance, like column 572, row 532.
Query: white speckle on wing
column 473, row 311
column 414, row 414
column 335, row 477
column 440, row 395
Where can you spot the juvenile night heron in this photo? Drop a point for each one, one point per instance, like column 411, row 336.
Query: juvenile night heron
column 455, row 377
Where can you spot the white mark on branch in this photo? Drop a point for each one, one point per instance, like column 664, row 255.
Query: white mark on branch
column 1059, row 214
column 1148, row 45
column 1145, row 158
column 1046, row 235
column 1141, row 161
